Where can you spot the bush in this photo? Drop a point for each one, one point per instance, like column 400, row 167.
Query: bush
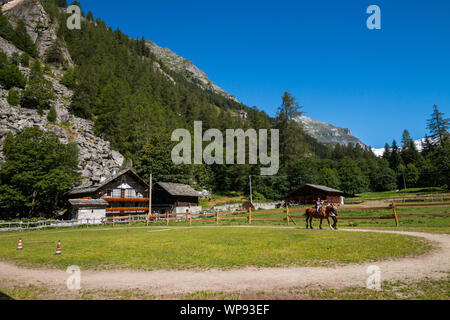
column 10, row 76
column 54, row 54
column 70, row 78
column 13, row 97
column 25, row 60
column 52, row 115
column 15, row 58
column 37, row 95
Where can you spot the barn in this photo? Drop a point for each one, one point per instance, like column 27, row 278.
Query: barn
column 309, row 193
column 176, row 198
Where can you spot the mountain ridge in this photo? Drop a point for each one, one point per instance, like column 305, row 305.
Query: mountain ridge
column 187, row 69
column 327, row 133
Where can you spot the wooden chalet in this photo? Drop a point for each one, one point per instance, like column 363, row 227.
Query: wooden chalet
column 309, row 193
column 125, row 193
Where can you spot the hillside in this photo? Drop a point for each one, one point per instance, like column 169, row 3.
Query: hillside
column 187, row 69
column 97, row 158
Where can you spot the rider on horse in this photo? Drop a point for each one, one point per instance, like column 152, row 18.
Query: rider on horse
column 318, row 206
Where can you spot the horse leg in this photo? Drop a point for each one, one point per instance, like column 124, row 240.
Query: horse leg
column 321, row 219
column 310, row 223
column 329, row 223
column 307, row 218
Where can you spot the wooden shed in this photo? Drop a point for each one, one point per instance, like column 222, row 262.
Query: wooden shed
column 175, row 197
column 309, row 193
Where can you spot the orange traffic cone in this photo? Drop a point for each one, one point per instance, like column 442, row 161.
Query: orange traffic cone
column 58, row 249
column 19, row 246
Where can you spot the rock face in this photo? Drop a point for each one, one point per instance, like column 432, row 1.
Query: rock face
column 41, row 29
column 186, row 68
column 328, row 134
column 97, row 160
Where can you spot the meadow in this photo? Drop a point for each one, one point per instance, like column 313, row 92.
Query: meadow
column 142, row 248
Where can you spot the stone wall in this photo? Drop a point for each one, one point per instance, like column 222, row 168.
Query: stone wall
column 89, row 216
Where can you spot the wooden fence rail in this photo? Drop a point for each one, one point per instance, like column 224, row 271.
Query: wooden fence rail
column 286, row 212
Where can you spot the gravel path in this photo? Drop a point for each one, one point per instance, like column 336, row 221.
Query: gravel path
column 434, row 265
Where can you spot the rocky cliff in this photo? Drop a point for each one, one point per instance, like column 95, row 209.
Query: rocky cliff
column 97, row 159
column 327, row 133
column 42, row 30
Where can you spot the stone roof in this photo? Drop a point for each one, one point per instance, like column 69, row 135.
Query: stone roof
column 89, row 203
column 177, row 189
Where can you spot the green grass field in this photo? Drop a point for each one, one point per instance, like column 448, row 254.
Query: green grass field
column 411, row 192
column 203, row 248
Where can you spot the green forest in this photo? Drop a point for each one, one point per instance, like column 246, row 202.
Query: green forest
column 136, row 108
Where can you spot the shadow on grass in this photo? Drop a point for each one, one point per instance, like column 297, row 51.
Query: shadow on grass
column 5, row 296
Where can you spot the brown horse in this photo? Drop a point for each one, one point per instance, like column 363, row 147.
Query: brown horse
column 324, row 214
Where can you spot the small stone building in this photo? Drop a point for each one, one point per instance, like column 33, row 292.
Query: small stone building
column 309, row 193
column 88, row 211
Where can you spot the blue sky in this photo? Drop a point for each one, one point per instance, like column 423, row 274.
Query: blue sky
column 375, row 82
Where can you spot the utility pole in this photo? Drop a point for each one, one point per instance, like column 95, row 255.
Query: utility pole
column 404, row 180
column 251, row 195
column 150, row 195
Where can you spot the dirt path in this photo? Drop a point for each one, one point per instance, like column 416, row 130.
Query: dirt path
column 434, row 265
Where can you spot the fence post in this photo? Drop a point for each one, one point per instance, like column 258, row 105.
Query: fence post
column 217, row 217
column 167, row 217
column 287, row 213
column 129, row 219
column 394, row 208
column 249, row 215
column 148, row 218
column 190, row 218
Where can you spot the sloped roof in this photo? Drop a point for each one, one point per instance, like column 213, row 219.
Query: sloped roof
column 90, row 203
column 95, row 188
column 324, row 188
column 177, row 189
column 317, row 187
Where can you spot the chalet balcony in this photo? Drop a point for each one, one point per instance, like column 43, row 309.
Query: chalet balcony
column 123, row 210
column 110, row 199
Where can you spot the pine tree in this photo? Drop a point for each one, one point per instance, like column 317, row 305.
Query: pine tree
column 387, row 152
column 409, row 152
column 90, row 16
column 52, row 115
column 438, row 126
column 395, row 160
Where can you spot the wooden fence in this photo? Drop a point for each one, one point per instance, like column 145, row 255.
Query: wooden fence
column 286, row 215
